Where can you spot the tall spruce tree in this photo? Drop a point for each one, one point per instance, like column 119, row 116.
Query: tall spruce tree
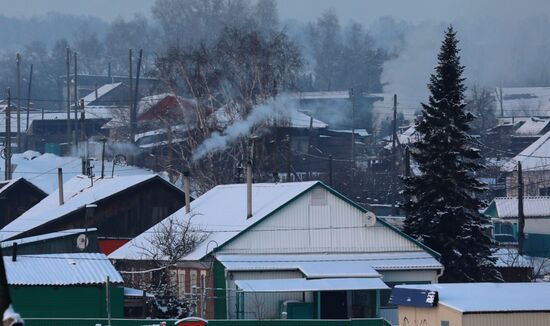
column 443, row 210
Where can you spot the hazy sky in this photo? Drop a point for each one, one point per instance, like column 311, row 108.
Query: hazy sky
column 358, row 10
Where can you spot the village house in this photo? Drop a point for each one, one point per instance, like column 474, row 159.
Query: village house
column 119, row 207
column 504, row 215
column 288, row 250
column 473, row 304
column 535, row 163
column 16, row 197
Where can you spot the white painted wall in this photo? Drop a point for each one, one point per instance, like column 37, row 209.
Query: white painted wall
column 304, row 227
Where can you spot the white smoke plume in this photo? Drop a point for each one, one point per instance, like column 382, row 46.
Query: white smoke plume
column 278, row 108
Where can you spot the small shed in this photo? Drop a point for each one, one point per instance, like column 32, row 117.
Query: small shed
column 473, row 304
column 64, row 286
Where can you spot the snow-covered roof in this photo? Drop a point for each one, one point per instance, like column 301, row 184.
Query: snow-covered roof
column 295, row 119
column 320, row 95
column 221, row 212
column 46, row 236
column 531, row 127
column 490, row 297
column 304, row 285
column 533, row 206
column 77, row 193
column 41, row 169
column 60, row 269
column 360, row 132
column 333, row 265
column 101, row 91
column 535, row 157
column 301, row 120
column 312, row 266
column 33, row 116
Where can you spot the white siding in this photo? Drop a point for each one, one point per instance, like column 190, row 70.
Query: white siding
column 307, row 227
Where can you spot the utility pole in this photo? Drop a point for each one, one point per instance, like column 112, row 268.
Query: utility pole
column 136, row 91
column 352, row 97
column 394, row 158
column 18, row 94
column 131, row 96
column 82, row 122
column 521, row 217
column 7, row 142
column 28, row 107
column 75, row 100
column 68, row 80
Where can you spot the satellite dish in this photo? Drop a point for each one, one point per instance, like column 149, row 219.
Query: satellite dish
column 82, row 241
column 370, row 219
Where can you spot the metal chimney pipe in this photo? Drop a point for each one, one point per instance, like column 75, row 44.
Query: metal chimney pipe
column 187, row 190
column 14, row 252
column 60, row 185
column 248, row 189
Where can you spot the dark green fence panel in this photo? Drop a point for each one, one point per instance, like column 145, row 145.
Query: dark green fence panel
column 150, row 322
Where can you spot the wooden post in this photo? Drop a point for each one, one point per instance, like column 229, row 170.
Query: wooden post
column 394, row 159
column 521, row 217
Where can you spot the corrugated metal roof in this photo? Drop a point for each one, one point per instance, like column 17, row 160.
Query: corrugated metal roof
column 220, row 212
column 77, row 194
column 61, row 269
column 333, row 265
column 533, row 206
column 302, row 284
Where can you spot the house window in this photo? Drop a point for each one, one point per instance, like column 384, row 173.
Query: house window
column 181, row 283
column 193, row 281
column 544, row 191
column 445, row 323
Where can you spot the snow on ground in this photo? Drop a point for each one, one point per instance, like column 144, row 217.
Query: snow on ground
column 41, row 169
